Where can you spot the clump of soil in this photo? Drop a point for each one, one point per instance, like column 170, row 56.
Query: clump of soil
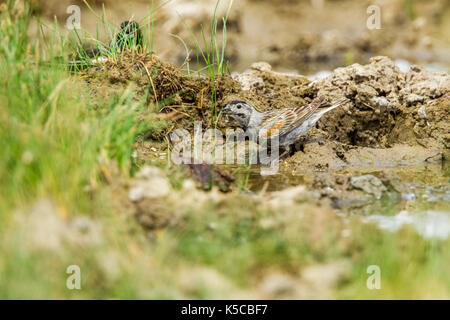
column 168, row 89
column 386, row 105
column 148, row 73
column 269, row 90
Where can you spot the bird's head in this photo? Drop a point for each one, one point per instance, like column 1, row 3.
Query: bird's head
column 240, row 111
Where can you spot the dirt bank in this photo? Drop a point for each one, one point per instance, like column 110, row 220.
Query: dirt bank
column 387, row 106
column 393, row 119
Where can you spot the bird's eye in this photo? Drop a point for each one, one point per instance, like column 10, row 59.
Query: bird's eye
column 239, row 106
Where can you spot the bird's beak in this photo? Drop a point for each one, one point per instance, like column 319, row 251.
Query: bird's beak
column 226, row 109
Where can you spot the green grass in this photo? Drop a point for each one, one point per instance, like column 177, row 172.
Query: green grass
column 59, row 146
column 411, row 9
column 212, row 53
column 81, row 39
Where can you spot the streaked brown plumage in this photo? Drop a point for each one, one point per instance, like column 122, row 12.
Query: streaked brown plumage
column 288, row 124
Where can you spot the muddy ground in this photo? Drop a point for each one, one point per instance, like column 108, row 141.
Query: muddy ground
column 353, row 157
column 397, row 116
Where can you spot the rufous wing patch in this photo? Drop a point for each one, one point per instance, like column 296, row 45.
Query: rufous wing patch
column 272, row 130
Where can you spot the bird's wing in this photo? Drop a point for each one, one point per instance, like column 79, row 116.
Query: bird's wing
column 279, row 122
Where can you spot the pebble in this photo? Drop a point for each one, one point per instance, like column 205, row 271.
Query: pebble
column 150, row 183
column 369, row 184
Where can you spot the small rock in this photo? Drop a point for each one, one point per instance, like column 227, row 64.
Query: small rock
column 413, row 99
column 150, row 183
column 369, row 184
column 380, row 102
column 287, row 197
column 361, row 73
column 422, row 112
column 248, row 80
column 261, row 66
column 394, row 181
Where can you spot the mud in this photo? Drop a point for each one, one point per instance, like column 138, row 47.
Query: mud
column 394, row 118
column 380, row 151
column 386, row 105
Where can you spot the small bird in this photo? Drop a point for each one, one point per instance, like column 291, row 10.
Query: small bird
column 288, row 124
column 128, row 37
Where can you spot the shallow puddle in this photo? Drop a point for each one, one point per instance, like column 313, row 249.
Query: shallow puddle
column 418, row 196
column 429, row 224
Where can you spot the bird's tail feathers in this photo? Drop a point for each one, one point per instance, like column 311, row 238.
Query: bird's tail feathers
column 334, row 104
